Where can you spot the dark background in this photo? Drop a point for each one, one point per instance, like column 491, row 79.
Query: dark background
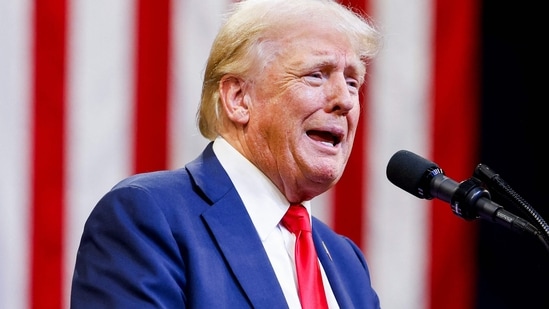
column 514, row 268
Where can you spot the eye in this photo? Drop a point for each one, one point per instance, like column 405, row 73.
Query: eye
column 353, row 83
column 316, row 75
column 314, row 78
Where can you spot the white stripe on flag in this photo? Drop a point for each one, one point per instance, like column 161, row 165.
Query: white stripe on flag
column 194, row 25
column 100, row 128
column 399, row 95
column 15, row 145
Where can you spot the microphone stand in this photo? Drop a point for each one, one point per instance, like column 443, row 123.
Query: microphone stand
column 495, row 183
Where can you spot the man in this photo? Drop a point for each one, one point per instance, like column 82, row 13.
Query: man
column 280, row 103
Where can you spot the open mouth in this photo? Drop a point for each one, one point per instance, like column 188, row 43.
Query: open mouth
column 324, row 137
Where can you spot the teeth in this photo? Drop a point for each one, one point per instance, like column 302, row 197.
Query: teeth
column 327, row 144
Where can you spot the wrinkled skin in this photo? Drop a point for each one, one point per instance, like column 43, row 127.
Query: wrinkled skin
column 296, row 118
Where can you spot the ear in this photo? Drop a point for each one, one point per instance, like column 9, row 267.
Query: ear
column 234, row 99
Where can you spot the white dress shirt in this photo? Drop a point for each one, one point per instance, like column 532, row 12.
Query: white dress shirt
column 266, row 207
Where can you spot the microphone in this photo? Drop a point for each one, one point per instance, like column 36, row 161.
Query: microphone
column 468, row 199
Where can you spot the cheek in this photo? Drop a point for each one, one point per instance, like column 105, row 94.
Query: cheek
column 354, row 117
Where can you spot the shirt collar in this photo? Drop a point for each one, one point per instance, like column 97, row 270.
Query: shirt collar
column 264, row 202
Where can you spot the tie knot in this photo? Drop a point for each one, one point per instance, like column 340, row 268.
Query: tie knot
column 296, row 219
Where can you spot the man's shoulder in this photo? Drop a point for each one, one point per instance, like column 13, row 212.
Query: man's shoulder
column 153, row 179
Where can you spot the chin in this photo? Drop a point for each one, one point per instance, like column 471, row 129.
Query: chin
column 328, row 177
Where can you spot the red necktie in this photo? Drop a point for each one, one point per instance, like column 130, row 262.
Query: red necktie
column 310, row 288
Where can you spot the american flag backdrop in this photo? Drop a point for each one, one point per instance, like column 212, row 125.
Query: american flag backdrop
column 92, row 91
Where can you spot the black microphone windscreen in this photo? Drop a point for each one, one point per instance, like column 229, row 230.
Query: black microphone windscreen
column 408, row 170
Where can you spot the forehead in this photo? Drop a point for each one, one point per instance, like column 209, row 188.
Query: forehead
column 316, row 44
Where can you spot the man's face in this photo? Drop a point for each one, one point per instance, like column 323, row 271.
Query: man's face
column 304, row 112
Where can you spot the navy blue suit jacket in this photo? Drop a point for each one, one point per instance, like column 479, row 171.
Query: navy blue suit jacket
column 183, row 239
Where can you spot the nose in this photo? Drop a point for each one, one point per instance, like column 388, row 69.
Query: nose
column 341, row 96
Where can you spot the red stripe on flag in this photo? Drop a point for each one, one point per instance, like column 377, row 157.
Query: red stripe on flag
column 348, row 194
column 48, row 154
column 455, row 127
column 152, row 61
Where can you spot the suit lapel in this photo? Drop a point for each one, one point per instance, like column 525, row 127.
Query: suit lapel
column 329, row 266
column 235, row 234
column 241, row 246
